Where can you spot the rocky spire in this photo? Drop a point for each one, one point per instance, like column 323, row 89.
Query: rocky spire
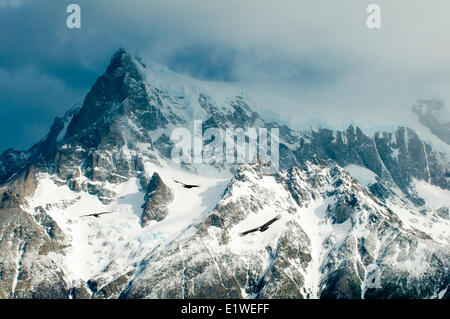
column 121, row 81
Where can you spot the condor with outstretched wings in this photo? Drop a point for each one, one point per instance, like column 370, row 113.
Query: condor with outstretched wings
column 188, row 186
column 261, row 228
column 96, row 215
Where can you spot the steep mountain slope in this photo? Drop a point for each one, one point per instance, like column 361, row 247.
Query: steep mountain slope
column 382, row 234
column 430, row 115
column 334, row 240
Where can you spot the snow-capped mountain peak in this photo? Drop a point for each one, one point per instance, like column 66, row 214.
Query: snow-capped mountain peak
column 357, row 213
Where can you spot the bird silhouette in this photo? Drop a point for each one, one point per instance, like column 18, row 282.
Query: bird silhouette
column 188, row 186
column 96, row 215
column 261, row 228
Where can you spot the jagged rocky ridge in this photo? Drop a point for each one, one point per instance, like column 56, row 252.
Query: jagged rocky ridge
column 123, row 127
column 336, row 240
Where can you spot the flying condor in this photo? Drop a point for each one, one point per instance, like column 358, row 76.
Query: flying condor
column 188, row 186
column 261, row 228
column 96, row 215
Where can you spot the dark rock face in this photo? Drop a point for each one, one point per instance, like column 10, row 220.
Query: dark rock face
column 120, row 91
column 26, row 250
column 113, row 288
column 81, row 292
column 48, row 224
column 24, row 185
column 157, row 197
column 11, row 161
column 343, row 283
column 415, row 159
column 343, row 208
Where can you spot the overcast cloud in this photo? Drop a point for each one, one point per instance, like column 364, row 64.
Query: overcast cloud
column 318, row 55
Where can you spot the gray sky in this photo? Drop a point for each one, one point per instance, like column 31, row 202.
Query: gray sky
column 313, row 57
